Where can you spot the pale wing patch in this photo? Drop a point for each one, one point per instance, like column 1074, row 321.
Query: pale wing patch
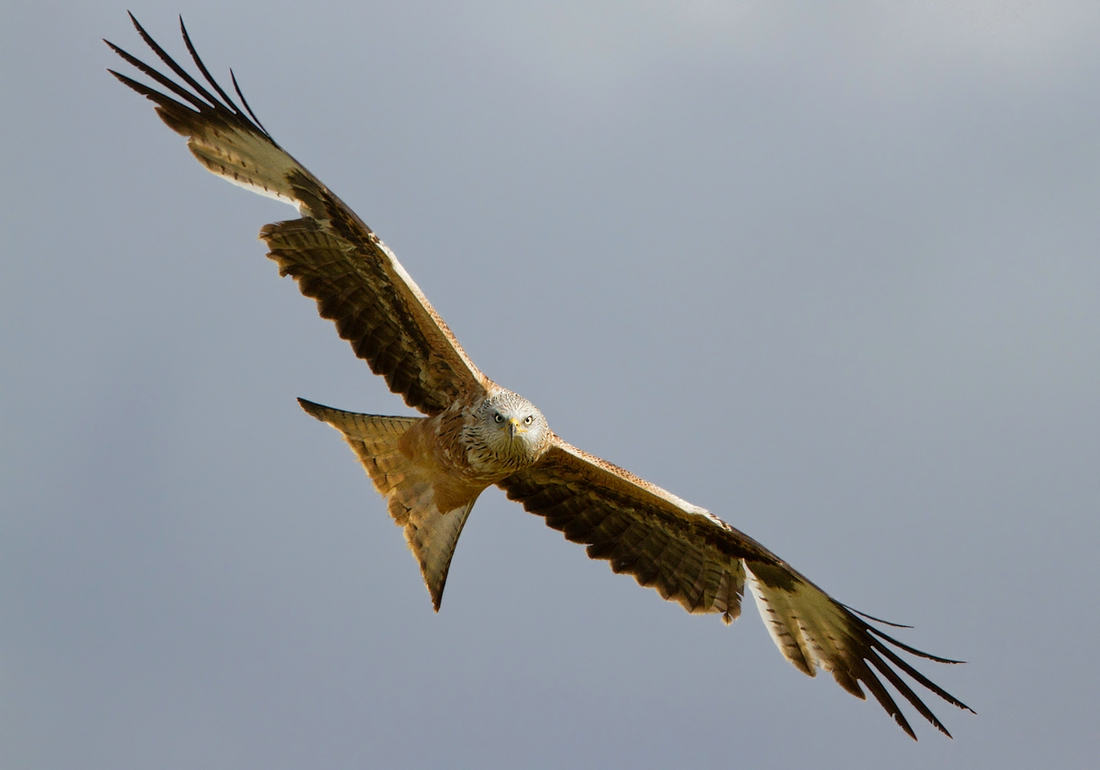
column 804, row 623
column 246, row 159
column 781, row 622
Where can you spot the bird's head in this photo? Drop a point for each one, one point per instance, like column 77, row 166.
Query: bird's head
column 512, row 428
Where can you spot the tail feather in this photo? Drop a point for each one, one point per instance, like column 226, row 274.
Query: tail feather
column 432, row 534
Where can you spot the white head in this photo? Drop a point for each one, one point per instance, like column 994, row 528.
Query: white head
column 508, row 431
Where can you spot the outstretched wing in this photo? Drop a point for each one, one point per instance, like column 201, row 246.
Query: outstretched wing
column 691, row 556
column 335, row 258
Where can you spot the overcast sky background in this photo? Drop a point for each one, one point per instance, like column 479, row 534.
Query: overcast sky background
column 831, row 273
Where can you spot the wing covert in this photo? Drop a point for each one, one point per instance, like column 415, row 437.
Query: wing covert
column 680, row 550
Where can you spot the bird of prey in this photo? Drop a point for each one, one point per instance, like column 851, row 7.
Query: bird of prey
column 475, row 433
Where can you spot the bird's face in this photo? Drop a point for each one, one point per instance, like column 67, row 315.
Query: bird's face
column 512, row 427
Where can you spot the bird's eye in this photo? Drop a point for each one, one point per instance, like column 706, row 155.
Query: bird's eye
column 529, row 419
column 499, row 417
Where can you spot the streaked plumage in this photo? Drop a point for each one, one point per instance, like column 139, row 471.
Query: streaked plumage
column 476, row 434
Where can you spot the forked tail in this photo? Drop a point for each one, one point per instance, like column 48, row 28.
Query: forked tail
column 407, row 486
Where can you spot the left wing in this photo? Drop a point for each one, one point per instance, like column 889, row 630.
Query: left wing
column 691, row 556
column 335, row 258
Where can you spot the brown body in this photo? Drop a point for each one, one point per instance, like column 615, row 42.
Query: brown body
column 432, row 469
column 433, row 450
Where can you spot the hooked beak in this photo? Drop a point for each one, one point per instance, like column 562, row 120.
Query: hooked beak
column 513, row 428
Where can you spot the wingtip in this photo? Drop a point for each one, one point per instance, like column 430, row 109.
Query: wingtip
column 183, row 29
column 136, row 23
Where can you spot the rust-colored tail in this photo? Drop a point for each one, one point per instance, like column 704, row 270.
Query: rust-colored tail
column 431, row 533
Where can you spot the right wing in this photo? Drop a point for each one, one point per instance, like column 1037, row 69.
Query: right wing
column 335, row 258
column 691, row 556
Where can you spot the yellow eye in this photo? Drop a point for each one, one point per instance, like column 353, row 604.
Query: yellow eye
column 499, row 417
column 529, row 419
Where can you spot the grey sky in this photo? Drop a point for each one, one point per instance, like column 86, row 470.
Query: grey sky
column 831, row 274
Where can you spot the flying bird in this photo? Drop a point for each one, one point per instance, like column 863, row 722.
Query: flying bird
column 475, row 434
